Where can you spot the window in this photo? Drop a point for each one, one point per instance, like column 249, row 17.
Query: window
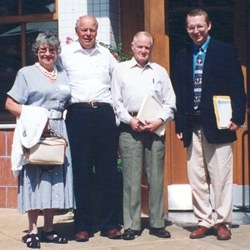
column 17, row 34
column 10, row 7
column 37, row 6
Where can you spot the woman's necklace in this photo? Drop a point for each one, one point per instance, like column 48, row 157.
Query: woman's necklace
column 52, row 75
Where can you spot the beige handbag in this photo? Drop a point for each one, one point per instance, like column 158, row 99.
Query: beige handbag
column 50, row 150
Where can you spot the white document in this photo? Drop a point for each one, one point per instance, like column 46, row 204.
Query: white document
column 151, row 110
column 223, row 111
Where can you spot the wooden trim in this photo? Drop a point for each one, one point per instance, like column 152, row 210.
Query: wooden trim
column 154, row 19
column 29, row 18
column 241, row 154
column 23, row 43
column 56, row 7
column 208, row 9
column 132, row 21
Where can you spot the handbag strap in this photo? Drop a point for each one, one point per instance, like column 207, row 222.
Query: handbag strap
column 54, row 133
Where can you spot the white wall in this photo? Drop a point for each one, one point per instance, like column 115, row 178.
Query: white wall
column 105, row 11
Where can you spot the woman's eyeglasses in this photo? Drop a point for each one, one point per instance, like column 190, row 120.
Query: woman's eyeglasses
column 44, row 50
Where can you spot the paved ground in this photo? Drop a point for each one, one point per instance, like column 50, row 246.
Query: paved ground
column 13, row 229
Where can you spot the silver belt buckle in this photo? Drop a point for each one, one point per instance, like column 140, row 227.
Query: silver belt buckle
column 54, row 114
column 50, row 114
column 93, row 105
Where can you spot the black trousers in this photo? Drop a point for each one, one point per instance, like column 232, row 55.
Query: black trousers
column 93, row 138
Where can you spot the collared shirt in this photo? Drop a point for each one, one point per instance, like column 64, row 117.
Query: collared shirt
column 89, row 72
column 130, row 84
column 204, row 51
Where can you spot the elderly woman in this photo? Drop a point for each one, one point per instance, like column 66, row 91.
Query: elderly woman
column 43, row 85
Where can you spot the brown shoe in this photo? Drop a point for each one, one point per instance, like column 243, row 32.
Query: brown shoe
column 223, row 233
column 113, row 234
column 82, row 236
column 200, row 232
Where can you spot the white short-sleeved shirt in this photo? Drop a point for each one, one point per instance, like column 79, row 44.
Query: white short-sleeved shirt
column 89, row 72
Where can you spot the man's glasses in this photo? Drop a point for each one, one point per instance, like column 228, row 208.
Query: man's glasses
column 191, row 29
column 44, row 50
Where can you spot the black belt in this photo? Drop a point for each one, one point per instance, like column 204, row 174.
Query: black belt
column 133, row 113
column 197, row 112
column 93, row 105
column 197, row 117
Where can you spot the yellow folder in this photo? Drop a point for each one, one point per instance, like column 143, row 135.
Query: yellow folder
column 223, row 110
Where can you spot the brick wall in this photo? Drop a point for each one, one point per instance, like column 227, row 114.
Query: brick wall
column 8, row 183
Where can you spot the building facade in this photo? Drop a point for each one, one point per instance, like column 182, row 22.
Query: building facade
column 119, row 21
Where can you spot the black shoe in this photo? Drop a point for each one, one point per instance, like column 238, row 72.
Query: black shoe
column 57, row 239
column 128, row 234
column 159, row 232
column 32, row 241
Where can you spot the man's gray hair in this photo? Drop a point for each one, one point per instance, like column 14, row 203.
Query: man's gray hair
column 143, row 33
column 85, row 16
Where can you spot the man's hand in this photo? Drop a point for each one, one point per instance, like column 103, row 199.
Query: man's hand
column 179, row 136
column 136, row 125
column 152, row 126
column 232, row 126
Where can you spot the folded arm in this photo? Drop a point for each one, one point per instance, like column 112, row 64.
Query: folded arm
column 13, row 106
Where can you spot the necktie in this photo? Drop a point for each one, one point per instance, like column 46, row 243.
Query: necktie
column 198, row 79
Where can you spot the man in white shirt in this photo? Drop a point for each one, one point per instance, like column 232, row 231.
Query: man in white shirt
column 92, row 128
column 131, row 81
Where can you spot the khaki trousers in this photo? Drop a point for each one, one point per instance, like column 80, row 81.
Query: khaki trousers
column 134, row 146
column 210, row 163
